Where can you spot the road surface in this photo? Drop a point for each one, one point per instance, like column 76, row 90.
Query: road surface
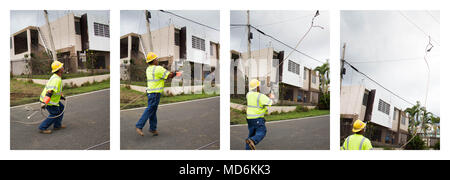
column 86, row 117
column 311, row 133
column 185, row 125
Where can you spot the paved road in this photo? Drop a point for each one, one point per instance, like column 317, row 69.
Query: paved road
column 300, row 134
column 186, row 125
column 86, row 117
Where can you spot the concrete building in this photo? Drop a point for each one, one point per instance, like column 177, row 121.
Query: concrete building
column 72, row 36
column 173, row 45
column 299, row 84
column 384, row 112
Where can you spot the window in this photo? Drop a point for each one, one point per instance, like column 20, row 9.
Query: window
column 384, row 107
column 177, row 37
column 101, row 30
column 403, row 119
column 304, row 74
column 293, row 67
column 198, row 43
column 77, row 27
column 365, row 99
column 313, row 77
column 211, row 49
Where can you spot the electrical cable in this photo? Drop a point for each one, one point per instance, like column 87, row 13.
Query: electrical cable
column 189, row 20
column 426, row 34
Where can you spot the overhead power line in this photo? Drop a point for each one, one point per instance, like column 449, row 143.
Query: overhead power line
column 418, row 27
column 434, row 18
column 385, row 60
column 168, row 12
column 354, row 68
column 263, row 33
column 280, row 22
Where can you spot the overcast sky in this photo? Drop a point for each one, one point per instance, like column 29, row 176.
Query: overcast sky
column 23, row 18
column 389, row 36
column 287, row 26
column 134, row 20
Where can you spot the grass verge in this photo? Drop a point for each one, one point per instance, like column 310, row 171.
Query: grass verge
column 239, row 117
column 24, row 92
column 64, row 76
column 128, row 95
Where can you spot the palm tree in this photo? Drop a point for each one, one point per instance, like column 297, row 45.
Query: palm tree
column 324, row 70
column 425, row 122
column 435, row 121
column 413, row 113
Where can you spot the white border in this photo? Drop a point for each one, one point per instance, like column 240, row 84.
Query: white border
column 224, row 6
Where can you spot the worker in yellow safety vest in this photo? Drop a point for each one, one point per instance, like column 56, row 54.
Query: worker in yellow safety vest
column 50, row 100
column 155, row 86
column 257, row 104
column 357, row 141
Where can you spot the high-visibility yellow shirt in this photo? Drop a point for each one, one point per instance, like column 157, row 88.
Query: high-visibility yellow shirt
column 356, row 142
column 155, row 78
column 53, row 84
column 257, row 104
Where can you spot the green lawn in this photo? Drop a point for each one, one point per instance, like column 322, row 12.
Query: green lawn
column 144, row 83
column 128, row 95
column 24, row 92
column 239, row 117
column 64, row 76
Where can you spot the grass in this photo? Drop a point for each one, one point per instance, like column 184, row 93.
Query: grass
column 239, row 100
column 64, row 76
column 24, row 92
column 128, row 95
column 144, row 83
column 239, row 117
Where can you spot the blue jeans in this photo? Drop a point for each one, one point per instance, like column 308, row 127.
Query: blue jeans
column 150, row 112
column 256, row 130
column 53, row 111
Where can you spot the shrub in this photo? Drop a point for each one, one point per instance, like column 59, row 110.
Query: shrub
column 416, row 144
column 301, row 108
column 437, row 146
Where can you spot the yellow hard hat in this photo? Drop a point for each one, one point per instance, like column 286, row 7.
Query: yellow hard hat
column 358, row 125
column 254, row 83
column 150, row 57
column 56, row 65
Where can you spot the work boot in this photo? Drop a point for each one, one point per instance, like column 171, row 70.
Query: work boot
column 46, row 131
column 155, row 132
column 139, row 131
column 62, row 127
column 251, row 144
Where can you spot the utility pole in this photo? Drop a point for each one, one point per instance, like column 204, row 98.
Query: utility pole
column 52, row 45
column 342, row 63
column 249, row 41
column 147, row 20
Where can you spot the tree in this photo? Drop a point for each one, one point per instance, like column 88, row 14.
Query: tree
column 324, row 70
column 413, row 113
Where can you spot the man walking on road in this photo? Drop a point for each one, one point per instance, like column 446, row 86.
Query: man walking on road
column 50, row 100
column 357, row 141
column 257, row 104
column 155, row 86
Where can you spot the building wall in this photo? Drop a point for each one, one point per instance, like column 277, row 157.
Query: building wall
column 260, row 63
column 196, row 55
column 291, row 78
column 20, row 57
column 351, row 100
column 163, row 41
column 97, row 43
column 63, row 33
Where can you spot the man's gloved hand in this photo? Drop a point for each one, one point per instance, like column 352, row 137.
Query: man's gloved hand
column 271, row 96
column 43, row 105
column 178, row 73
column 63, row 98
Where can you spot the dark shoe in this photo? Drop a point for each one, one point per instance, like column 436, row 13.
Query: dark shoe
column 62, row 127
column 139, row 131
column 251, row 144
column 46, row 131
column 155, row 133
